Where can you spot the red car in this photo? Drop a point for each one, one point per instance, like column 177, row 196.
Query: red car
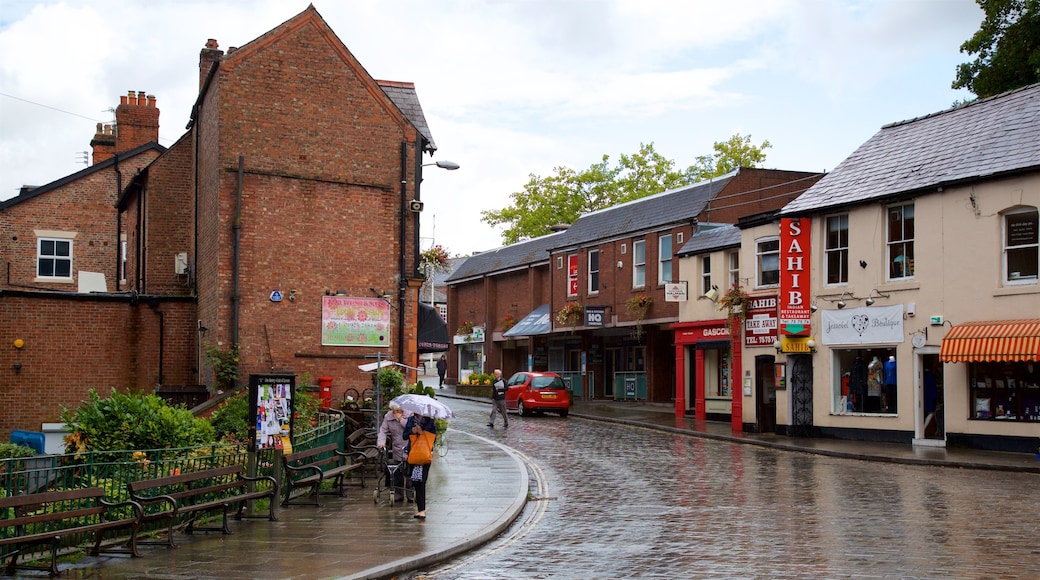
column 529, row 393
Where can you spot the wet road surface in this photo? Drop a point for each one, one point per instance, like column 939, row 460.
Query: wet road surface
column 613, row 501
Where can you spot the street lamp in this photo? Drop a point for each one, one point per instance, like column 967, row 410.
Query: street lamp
column 449, row 165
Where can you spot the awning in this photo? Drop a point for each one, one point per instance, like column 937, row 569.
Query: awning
column 996, row 341
column 374, row 366
column 433, row 332
column 535, row 323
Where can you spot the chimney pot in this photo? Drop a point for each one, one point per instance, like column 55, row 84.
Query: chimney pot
column 151, row 101
column 212, row 43
column 122, row 100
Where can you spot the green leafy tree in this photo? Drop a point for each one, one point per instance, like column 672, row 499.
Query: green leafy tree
column 737, row 151
column 1007, row 49
column 132, row 421
column 564, row 196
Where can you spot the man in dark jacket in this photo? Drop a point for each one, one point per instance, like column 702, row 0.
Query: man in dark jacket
column 498, row 400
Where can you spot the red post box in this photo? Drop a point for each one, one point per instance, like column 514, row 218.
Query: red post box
column 325, row 388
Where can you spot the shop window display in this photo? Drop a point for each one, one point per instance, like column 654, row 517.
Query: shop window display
column 866, row 381
column 1005, row 391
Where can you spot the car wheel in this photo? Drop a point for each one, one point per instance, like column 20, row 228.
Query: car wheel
column 564, row 412
column 521, row 409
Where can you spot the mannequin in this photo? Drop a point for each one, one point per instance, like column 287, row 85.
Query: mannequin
column 858, row 384
column 889, row 394
column 875, row 376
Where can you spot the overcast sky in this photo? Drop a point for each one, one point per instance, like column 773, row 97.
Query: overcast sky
column 509, row 88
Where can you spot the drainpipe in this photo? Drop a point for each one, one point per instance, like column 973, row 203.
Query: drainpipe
column 236, row 228
column 119, row 217
column 402, row 281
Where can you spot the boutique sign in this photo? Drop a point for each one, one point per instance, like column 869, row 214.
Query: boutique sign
column 869, row 325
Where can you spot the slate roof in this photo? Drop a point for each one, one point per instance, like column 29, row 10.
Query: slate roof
column 711, row 239
column 404, row 96
column 506, row 257
column 111, row 161
column 647, row 213
column 987, row 138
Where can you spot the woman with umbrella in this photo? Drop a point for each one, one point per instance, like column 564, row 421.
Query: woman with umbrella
column 421, row 431
column 418, row 425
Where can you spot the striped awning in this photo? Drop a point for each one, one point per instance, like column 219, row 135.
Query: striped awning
column 996, row 341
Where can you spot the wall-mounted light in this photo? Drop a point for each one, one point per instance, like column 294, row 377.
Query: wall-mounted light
column 776, row 345
column 870, row 300
column 811, row 343
column 19, row 343
column 813, row 307
column 620, row 264
column 712, row 293
column 841, row 301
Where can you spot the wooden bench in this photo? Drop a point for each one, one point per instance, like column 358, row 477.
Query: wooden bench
column 363, row 442
column 47, row 517
column 315, row 466
column 197, row 492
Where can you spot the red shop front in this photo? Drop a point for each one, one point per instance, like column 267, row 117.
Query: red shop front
column 707, row 370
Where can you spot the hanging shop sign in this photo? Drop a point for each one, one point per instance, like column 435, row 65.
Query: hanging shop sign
column 675, row 291
column 760, row 324
column 572, row 275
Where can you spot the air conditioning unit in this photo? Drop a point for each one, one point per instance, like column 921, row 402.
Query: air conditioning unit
column 180, row 264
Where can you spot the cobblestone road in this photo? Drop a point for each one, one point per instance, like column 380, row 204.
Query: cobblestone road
column 613, row 501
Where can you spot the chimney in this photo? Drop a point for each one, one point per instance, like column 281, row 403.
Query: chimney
column 209, row 55
column 137, row 121
column 103, row 143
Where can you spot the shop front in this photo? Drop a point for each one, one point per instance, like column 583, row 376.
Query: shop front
column 999, row 362
column 704, row 366
column 863, row 344
column 470, row 348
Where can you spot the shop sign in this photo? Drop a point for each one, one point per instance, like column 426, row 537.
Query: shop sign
column 760, row 325
column 476, row 336
column 572, row 275
column 794, row 344
column 675, row 291
column 873, row 325
column 594, row 315
column 794, row 277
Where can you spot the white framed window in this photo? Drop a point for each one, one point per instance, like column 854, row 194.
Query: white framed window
column 593, row 271
column 705, row 274
column 734, row 268
column 900, row 247
column 767, row 254
column 664, row 259
column 559, row 262
column 624, row 249
column 54, row 258
column 836, row 249
column 679, row 238
column 639, row 264
column 1021, row 247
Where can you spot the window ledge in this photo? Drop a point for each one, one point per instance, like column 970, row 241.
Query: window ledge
column 53, row 280
column 1017, row 290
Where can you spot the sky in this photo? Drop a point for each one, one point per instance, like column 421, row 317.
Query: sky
column 510, row 89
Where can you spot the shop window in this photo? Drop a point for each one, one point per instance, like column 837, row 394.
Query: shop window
column 734, row 268
column 768, row 254
column 836, row 250
column 866, row 381
column 664, row 259
column 705, row 274
column 716, row 373
column 1004, row 391
column 54, row 258
column 1021, row 250
column 593, row 271
column 639, row 264
column 900, row 241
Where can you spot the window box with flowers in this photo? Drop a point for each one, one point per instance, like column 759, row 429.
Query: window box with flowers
column 465, row 328
column 570, row 314
column 508, row 321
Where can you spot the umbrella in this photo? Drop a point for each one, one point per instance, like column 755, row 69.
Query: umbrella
column 424, row 405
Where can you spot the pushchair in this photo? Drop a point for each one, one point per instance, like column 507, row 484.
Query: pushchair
column 392, row 472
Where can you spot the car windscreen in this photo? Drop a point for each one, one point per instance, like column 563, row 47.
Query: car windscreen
column 547, row 383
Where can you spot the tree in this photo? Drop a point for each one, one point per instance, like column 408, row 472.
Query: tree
column 1008, row 48
column 566, row 195
column 735, row 152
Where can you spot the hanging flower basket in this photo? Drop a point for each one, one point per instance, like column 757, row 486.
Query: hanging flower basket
column 465, row 328
column 735, row 302
column 436, row 258
column 638, row 306
column 569, row 314
column 508, row 321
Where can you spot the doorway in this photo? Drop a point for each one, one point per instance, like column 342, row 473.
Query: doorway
column 765, row 393
column 929, row 415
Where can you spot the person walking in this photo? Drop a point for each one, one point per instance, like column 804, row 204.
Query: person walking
column 392, row 428
column 498, row 400
column 442, row 369
column 416, row 427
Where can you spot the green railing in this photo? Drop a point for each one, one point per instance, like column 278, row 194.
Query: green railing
column 114, row 470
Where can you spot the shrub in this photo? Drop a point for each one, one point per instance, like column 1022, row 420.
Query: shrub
column 132, row 421
column 391, row 382
column 14, row 451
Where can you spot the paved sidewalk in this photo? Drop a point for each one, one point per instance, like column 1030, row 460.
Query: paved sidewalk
column 475, row 493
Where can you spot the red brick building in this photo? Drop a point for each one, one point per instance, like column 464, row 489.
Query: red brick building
column 291, row 185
